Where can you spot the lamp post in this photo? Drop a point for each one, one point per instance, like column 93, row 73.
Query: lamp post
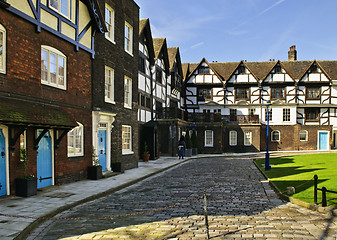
column 266, row 163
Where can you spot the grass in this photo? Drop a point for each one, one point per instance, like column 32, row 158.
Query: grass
column 295, row 171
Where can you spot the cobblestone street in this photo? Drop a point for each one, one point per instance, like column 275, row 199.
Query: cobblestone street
column 241, row 205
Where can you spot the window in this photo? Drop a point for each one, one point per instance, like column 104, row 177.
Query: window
column 127, row 92
column 277, row 69
column 242, row 93
column 286, row 115
column 128, row 38
column 53, row 67
column 313, row 69
column 277, row 93
column 203, row 70
column 159, row 109
column 2, row 49
column 142, row 100
column 275, row 136
column 110, row 23
column 23, row 147
column 233, row 138
column 313, row 93
column 61, row 6
column 241, row 69
column 159, row 75
column 148, row 102
column 75, row 141
column 109, row 84
column 126, row 139
column 233, row 115
column 141, row 65
column 303, row 135
column 248, row 138
column 208, row 138
column 252, row 111
column 270, row 115
column 312, row 114
column 205, row 94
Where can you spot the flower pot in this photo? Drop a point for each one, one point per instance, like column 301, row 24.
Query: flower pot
column 25, row 187
column 146, row 157
column 95, row 172
column 117, row 167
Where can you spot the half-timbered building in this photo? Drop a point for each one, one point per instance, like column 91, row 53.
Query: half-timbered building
column 227, row 101
column 46, row 52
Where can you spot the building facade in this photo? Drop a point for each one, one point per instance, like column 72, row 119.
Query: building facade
column 45, row 77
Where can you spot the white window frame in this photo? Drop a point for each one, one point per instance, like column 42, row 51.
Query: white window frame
column 3, row 56
column 286, row 115
column 58, row 8
column 306, row 135
column 272, row 136
column 127, row 92
column 234, row 141
column 110, row 23
column 247, row 140
column 23, row 144
column 78, row 132
column 128, row 38
column 126, row 150
column 209, row 138
column 109, row 74
column 51, row 50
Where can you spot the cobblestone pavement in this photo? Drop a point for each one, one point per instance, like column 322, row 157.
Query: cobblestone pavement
column 241, row 205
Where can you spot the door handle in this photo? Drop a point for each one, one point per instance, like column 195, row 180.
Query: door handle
column 101, row 151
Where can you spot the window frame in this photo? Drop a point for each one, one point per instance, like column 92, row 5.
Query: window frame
column 76, row 130
column 286, row 116
column 270, row 115
column 242, row 91
column 111, row 30
column 128, row 39
column 245, row 142
column 142, row 64
column 233, row 141
column 312, row 112
column 205, row 94
column 272, row 136
column 3, row 56
column 59, row 54
column 127, row 92
column 276, row 92
column 310, row 91
column 126, row 151
column 209, row 137
column 68, row 15
column 203, row 70
column 111, row 98
column 306, row 135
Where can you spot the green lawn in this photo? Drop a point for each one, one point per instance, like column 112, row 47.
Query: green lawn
column 295, row 171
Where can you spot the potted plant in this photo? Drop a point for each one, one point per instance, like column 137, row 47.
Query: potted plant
column 94, row 171
column 194, row 140
column 146, row 154
column 26, row 185
column 188, row 151
column 117, row 165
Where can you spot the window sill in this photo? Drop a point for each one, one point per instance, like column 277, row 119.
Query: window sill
column 127, row 152
column 127, row 107
column 209, row 146
column 110, row 101
column 130, row 53
column 74, row 156
column 110, row 40
column 54, row 86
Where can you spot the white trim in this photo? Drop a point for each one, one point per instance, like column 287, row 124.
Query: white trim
column 212, row 137
column 112, row 24
column 129, row 103
column 306, row 135
column 58, row 54
column 279, row 136
column 235, row 143
column 128, row 48
column 322, row 131
column 129, row 150
column 4, row 40
column 74, row 154
column 250, row 138
column 5, row 132
column 59, row 11
column 111, row 98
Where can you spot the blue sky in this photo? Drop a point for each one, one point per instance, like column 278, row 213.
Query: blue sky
column 252, row 30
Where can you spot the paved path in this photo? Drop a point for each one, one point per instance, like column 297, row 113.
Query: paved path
column 241, row 205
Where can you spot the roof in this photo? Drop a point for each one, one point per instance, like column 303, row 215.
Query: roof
column 172, row 54
column 96, row 15
column 261, row 70
column 19, row 112
column 158, row 44
column 145, row 35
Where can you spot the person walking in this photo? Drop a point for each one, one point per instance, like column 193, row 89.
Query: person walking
column 181, row 147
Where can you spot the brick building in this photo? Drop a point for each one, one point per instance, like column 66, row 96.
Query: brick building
column 115, row 86
column 46, row 53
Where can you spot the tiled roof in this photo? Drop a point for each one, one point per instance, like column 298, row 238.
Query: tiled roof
column 330, row 68
column 142, row 24
column 185, row 67
column 296, row 69
column 260, row 69
column 225, row 70
column 158, row 44
column 21, row 112
column 172, row 54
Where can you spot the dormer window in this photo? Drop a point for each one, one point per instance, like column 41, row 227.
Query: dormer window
column 313, row 69
column 203, row 70
column 277, row 69
column 241, row 69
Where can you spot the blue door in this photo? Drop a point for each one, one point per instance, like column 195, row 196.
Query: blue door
column 323, row 139
column 44, row 161
column 3, row 177
column 102, row 149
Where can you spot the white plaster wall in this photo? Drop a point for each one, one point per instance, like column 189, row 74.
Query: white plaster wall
column 324, row 78
column 208, row 78
column 334, row 93
column 191, row 79
column 278, row 77
column 288, row 78
column 193, row 90
column 199, row 79
column 314, row 77
column 242, row 78
column 141, row 82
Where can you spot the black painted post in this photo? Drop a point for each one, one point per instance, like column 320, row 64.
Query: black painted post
column 324, row 197
column 315, row 188
column 206, row 214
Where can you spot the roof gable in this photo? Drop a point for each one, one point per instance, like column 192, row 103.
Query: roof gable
column 260, row 70
column 146, row 35
column 174, row 55
column 160, row 47
column 194, row 67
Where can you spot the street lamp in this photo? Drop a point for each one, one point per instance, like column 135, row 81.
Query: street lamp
column 266, row 163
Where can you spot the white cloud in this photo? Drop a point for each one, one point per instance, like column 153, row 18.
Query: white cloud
column 197, row 45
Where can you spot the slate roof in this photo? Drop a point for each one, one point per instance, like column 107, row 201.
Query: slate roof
column 22, row 112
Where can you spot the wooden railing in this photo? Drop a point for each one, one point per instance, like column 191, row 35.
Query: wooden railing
column 217, row 117
column 324, row 191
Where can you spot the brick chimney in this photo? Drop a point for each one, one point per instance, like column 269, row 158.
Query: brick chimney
column 292, row 54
